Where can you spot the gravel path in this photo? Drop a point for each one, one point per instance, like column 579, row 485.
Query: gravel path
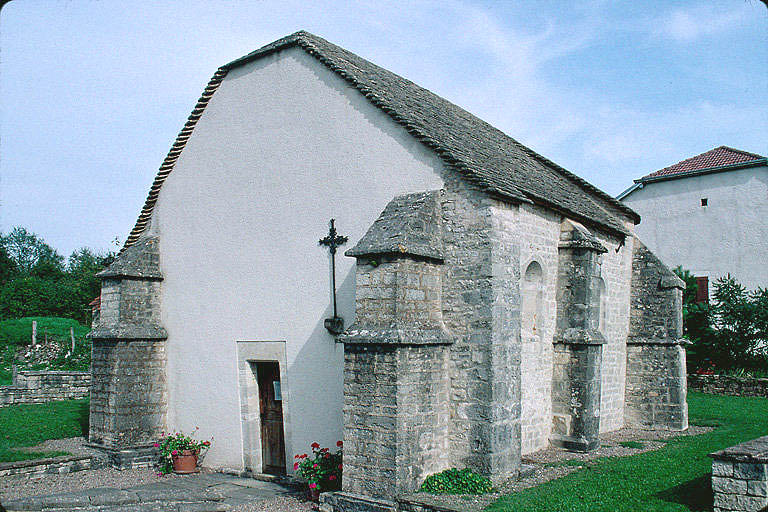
column 279, row 504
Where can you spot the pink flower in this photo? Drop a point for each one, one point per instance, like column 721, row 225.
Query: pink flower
column 313, row 485
column 332, row 477
column 175, row 452
column 295, row 466
column 315, row 466
column 157, row 445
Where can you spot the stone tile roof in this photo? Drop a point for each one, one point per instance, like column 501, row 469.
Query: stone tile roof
column 484, row 155
column 140, row 260
column 410, row 224
column 722, row 156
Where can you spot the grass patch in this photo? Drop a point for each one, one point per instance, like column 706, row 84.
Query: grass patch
column 31, row 424
column 635, row 445
column 673, row 478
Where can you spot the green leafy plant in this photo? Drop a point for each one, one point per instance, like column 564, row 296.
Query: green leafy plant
column 174, row 444
column 322, row 470
column 456, row 481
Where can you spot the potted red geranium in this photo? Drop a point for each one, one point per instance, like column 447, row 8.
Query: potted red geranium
column 180, row 452
column 322, row 470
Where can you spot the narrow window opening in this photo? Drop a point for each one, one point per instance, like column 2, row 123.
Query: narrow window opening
column 703, row 201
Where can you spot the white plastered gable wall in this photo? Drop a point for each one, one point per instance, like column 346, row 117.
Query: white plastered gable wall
column 730, row 234
column 283, row 146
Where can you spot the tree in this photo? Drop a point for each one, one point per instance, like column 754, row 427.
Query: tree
column 27, row 250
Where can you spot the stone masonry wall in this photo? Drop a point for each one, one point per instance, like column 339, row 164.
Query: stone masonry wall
column 615, row 271
column 468, row 302
column 740, row 477
column 33, row 387
column 128, row 396
column 656, row 373
column 728, row 385
column 370, row 408
column 539, row 231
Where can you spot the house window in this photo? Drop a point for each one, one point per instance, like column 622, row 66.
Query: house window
column 702, row 290
column 703, row 201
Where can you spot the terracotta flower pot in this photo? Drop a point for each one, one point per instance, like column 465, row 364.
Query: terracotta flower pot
column 185, row 462
column 314, row 494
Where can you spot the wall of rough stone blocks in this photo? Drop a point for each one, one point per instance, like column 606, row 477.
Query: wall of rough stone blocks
column 728, row 385
column 33, row 386
column 370, row 409
column 615, row 268
column 656, row 373
column 739, row 486
column 538, row 230
column 481, row 438
column 128, row 395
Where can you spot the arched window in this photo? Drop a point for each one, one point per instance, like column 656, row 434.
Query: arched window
column 531, row 294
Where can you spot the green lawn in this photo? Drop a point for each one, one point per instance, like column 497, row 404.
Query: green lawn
column 29, row 425
column 674, row 478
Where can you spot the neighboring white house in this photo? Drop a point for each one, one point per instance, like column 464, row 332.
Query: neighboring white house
column 708, row 213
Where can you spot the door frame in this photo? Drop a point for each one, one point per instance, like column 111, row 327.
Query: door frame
column 249, row 352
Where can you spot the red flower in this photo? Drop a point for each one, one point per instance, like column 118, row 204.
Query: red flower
column 340, row 467
column 315, row 466
column 157, row 445
column 313, row 485
column 327, row 455
column 339, row 444
column 206, row 443
column 315, row 446
column 332, row 477
column 297, row 456
column 295, row 466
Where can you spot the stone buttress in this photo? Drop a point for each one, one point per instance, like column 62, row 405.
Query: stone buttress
column 578, row 344
column 128, row 389
column 396, row 411
column 656, row 375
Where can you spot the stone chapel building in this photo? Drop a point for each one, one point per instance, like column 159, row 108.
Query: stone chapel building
column 492, row 301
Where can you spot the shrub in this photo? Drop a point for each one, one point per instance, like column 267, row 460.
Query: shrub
column 456, row 481
column 322, row 470
column 731, row 332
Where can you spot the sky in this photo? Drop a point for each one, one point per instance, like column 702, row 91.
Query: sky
column 93, row 93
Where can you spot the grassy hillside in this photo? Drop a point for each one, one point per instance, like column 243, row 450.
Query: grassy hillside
column 16, row 334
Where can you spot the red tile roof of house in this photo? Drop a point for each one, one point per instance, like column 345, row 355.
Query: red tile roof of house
column 714, row 158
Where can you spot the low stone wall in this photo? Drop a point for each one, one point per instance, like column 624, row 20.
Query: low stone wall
column 350, row 502
column 34, row 387
column 727, row 385
column 740, row 477
column 49, row 466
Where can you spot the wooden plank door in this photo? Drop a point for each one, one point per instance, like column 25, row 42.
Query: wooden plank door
column 271, row 409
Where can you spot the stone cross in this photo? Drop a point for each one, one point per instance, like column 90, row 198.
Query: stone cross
column 333, row 240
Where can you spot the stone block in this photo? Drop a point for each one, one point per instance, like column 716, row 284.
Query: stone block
column 729, row 485
column 750, row 471
column 757, row 487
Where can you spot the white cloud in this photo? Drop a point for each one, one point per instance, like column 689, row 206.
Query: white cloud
column 686, row 25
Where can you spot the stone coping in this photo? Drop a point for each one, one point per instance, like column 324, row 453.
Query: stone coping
column 754, row 451
column 107, row 496
column 43, row 462
column 53, row 372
